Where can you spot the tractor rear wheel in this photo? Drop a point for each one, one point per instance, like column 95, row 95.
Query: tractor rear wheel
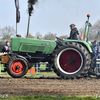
column 17, row 67
column 92, row 72
column 71, row 60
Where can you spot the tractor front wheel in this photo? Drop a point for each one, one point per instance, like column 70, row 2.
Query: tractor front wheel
column 17, row 67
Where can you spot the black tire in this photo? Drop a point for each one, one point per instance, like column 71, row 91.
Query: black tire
column 71, row 60
column 93, row 61
column 17, row 67
column 5, row 69
column 92, row 71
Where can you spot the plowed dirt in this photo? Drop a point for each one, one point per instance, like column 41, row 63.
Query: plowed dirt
column 49, row 86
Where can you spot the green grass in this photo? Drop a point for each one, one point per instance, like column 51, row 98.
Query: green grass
column 2, row 67
column 42, row 74
column 37, row 74
column 52, row 97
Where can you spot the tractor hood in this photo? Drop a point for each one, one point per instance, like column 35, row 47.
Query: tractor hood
column 33, row 45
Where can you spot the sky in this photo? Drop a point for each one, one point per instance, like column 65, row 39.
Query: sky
column 53, row 16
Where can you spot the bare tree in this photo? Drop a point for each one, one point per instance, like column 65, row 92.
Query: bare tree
column 38, row 35
column 95, row 28
column 63, row 37
column 0, row 31
column 94, row 31
column 29, row 36
column 50, row 36
column 7, row 32
column 81, row 30
column 97, row 36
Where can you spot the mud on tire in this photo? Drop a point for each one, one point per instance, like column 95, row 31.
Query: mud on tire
column 17, row 67
column 71, row 60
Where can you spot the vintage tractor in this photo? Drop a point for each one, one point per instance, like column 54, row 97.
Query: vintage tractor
column 69, row 58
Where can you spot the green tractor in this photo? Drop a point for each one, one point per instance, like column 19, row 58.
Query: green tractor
column 69, row 58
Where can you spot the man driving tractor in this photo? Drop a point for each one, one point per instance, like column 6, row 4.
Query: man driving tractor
column 74, row 32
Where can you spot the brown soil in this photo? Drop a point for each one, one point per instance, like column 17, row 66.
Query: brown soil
column 49, row 86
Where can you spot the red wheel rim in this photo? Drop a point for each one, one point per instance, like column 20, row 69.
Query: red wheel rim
column 17, row 67
column 70, row 61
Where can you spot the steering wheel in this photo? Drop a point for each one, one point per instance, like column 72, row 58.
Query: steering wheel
column 58, row 39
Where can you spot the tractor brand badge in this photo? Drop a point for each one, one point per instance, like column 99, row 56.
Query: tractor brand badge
column 44, row 43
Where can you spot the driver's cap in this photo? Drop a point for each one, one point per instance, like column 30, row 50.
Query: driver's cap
column 72, row 25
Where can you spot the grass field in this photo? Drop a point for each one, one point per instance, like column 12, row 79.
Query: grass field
column 42, row 72
column 52, row 97
column 42, row 67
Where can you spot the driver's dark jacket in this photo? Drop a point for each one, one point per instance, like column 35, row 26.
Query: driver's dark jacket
column 9, row 49
column 73, row 34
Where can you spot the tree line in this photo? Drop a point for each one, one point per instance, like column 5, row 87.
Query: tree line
column 7, row 32
column 94, row 31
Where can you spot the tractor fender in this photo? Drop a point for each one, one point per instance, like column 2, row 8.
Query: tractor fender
column 87, row 46
column 19, row 56
column 84, row 43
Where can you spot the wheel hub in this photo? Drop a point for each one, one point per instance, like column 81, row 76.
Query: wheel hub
column 70, row 61
column 17, row 67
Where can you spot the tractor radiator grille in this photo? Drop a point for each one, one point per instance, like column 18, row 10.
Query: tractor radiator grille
column 31, row 48
column 40, row 48
column 25, row 47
